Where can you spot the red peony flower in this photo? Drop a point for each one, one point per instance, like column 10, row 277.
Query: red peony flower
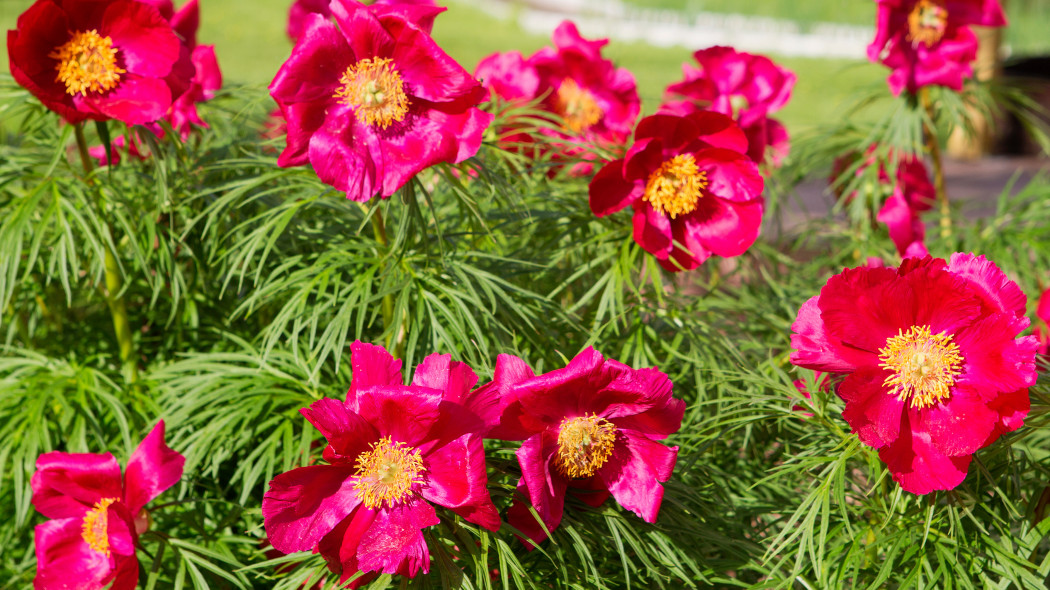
column 929, row 42
column 909, row 196
column 97, row 516
column 300, row 8
column 597, row 102
column 372, row 100
column 744, row 86
column 694, row 191
column 393, row 451
column 934, row 368
column 590, row 428
column 98, row 59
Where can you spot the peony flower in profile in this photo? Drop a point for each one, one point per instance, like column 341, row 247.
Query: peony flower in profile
column 590, row 429
column 97, row 515
column 1042, row 330
column 98, row 59
column 934, row 367
column 907, row 197
column 370, row 100
column 929, row 42
column 744, row 86
column 394, row 451
column 595, row 102
column 694, row 190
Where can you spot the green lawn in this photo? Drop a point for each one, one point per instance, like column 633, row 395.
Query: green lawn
column 251, row 44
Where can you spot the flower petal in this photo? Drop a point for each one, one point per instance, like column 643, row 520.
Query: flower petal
column 634, row 471
column 68, row 484
column 457, row 480
column 305, row 504
column 152, row 468
column 394, row 543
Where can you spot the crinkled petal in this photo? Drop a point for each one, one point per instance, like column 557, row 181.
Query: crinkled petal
column 634, row 471
column 995, row 288
column 63, row 556
column 958, row 425
column 871, row 411
column 305, row 504
column 918, row 466
column 457, row 480
column 394, row 543
column 347, row 433
column 372, row 366
column 546, row 489
column 152, row 468
column 68, row 484
column 609, row 192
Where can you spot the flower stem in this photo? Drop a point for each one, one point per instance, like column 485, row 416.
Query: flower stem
column 934, row 148
column 395, row 338
column 114, row 283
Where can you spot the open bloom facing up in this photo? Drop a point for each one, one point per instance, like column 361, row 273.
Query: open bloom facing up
column 907, row 197
column 744, row 86
column 393, row 451
column 929, row 42
column 370, row 100
column 694, row 190
column 592, row 428
column 97, row 515
column 934, row 368
column 98, row 59
column 597, row 102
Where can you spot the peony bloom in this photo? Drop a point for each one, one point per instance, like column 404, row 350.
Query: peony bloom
column 910, row 195
column 929, row 42
column 934, row 368
column 744, row 86
column 98, row 59
column 1043, row 327
column 694, row 190
column 97, row 515
column 590, row 428
column 393, row 452
column 596, row 102
column 371, row 100
column 301, row 8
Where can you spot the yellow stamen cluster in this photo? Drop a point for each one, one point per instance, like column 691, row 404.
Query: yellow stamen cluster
column 95, row 529
column 676, row 186
column 927, row 22
column 386, row 473
column 577, row 106
column 585, row 443
column 923, row 366
column 374, row 88
column 87, row 63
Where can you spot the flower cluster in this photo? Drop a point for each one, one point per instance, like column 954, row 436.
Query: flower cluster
column 370, row 99
column 694, row 190
column 132, row 61
column 596, row 103
column 744, row 86
column 907, row 196
column 396, row 451
column 934, row 367
column 929, row 42
column 97, row 515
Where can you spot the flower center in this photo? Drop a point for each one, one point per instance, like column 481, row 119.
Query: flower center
column 386, row 473
column 87, row 63
column 375, row 90
column 577, row 106
column 923, row 366
column 927, row 22
column 676, row 186
column 584, row 445
column 95, row 529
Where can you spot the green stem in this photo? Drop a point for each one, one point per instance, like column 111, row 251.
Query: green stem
column 395, row 340
column 934, row 148
column 114, row 284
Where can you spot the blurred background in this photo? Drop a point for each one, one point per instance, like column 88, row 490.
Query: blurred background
column 823, row 41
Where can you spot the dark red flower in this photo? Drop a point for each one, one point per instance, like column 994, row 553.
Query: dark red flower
column 393, row 452
column 371, row 100
column 97, row 515
column 694, row 190
column 744, row 86
column 934, row 367
column 929, row 42
column 98, row 59
column 590, row 428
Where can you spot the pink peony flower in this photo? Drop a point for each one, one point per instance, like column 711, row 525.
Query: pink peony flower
column 596, row 102
column 929, row 42
column 393, row 452
column 371, row 100
column 98, row 59
column 694, row 191
column 744, row 86
column 590, row 428
column 97, row 515
column 1043, row 327
column 910, row 195
column 934, row 368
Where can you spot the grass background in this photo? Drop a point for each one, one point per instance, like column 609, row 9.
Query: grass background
column 251, row 45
